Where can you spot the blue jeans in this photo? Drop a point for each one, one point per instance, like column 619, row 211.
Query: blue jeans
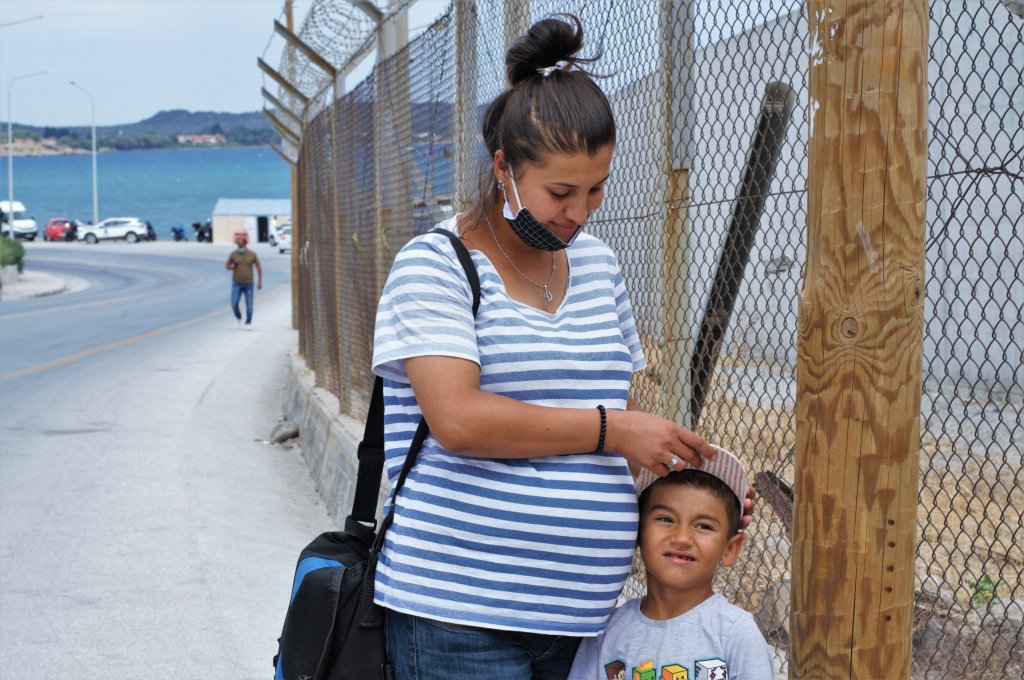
column 237, row 290
column 424, row 649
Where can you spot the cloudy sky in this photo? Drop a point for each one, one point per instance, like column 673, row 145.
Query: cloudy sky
column 138, row 57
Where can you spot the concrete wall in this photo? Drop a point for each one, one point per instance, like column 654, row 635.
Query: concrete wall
column 225, row 226
column 328, row 440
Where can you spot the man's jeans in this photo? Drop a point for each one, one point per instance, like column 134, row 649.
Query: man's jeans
column 237, row 290
column 423, row 649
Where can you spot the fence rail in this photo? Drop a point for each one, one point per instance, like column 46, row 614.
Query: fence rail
column 707, row 211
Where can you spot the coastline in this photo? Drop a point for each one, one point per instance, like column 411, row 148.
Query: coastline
column 49, row 147
column 41, row 147
column 166, row 186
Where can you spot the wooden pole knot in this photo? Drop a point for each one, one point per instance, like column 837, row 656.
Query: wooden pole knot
column 914, row 294
column 804, row 320
column 849, row 329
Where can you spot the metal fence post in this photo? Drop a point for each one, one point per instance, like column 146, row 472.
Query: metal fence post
column 466, row 168
column 341, row 317
column 298, row 229
column 860, row 340
column 392, row 141
column 517, row 20
column 677, row 61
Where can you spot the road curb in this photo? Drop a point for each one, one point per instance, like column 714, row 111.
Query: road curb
column 32, row 284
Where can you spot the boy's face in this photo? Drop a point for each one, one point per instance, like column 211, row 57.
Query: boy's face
column 683, row 539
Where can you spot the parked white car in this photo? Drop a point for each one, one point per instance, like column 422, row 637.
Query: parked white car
column 131, row 229
column 284, row 238
column 273, row 234
column 15, row 222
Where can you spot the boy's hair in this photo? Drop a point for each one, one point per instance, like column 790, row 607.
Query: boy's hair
column 698, row 479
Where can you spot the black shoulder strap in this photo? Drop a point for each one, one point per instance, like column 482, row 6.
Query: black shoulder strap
column 466, row 260
column 371, row 459
column 371, row 448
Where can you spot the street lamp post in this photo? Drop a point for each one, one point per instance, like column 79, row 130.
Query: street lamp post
column 10, row 148
column 95, row 199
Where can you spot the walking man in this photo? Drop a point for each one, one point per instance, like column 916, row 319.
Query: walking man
column 241, row 263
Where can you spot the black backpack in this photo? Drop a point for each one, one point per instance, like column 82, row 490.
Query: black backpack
column 333, row 630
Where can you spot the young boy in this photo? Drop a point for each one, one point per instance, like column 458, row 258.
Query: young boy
column 682, row 629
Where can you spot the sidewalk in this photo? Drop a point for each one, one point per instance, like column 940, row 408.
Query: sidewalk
column 31, row 284
column 178, row 522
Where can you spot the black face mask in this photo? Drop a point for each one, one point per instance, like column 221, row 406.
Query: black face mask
column 527, row 228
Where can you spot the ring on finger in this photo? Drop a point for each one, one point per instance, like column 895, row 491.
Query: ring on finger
column 673, row 462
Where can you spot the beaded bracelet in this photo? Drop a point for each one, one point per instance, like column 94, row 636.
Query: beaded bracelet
column 604, row 429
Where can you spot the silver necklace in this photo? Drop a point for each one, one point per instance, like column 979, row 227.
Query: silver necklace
column 548, row 297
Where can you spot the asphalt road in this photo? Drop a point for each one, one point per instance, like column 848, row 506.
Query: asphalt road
column 147, row 530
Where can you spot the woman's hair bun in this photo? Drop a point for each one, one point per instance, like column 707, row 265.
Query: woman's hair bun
column 556, row 38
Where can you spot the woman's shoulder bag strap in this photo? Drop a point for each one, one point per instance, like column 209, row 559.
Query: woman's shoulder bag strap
column 371, row 448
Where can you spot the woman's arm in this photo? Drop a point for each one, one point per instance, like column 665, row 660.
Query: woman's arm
column 468, row 420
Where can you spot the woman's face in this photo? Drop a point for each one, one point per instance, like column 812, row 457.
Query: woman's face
column 560, row 190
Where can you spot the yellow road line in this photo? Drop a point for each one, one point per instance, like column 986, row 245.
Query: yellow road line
column 122, row 343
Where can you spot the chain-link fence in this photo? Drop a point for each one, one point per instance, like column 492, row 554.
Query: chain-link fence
column 706, row 209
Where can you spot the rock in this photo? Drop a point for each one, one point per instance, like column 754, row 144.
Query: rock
column 773, row 615
column 1004, row 618
column 974, row 643
column 930, row 639
column 284, row 431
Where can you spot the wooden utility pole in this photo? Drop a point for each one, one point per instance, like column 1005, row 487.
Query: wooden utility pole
column 859, row 341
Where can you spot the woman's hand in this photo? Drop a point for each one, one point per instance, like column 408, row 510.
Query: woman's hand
column 652, row 442
column 674, row 438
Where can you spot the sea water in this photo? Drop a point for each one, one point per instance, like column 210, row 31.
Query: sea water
column 168, row 187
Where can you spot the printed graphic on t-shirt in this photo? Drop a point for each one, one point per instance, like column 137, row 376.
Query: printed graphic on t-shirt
column 706, row 669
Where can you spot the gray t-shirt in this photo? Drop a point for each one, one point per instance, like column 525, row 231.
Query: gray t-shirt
column 716, row 640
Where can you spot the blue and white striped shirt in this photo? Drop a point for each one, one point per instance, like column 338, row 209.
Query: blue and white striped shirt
column 540, row 545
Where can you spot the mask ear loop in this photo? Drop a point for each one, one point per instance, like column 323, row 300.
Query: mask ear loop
column 515, row 189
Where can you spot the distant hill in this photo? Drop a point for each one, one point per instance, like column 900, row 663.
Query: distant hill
column 182, row 122
column 161, row 131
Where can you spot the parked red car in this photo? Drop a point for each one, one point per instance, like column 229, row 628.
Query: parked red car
column 57, row 228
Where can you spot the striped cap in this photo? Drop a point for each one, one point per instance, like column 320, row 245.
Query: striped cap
column 726, row 466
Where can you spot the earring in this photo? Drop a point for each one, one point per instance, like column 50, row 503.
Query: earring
column 501, row 185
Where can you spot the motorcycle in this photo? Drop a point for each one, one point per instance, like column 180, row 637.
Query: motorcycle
column 204, row 232
column 179, row 234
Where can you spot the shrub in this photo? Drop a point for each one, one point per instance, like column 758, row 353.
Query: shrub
column 12, row 252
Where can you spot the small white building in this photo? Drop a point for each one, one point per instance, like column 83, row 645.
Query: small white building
column 254, row 216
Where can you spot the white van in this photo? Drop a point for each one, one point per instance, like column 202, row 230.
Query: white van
column 24, row 226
